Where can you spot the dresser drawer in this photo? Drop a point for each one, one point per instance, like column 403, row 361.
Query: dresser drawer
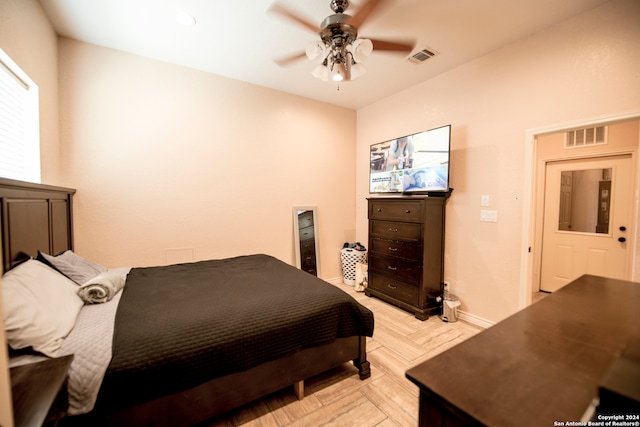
column 305, row 219
column 411, row 251
column 406, row 271
column 390, row 230
column 307, row 259
column 400, row 210
column 306, row 233
column 307, row 247
column 394, row 288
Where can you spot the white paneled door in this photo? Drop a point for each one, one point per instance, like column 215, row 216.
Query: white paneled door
column 587, row 220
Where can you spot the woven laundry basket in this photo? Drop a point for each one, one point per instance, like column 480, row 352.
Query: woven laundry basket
column 349, row 258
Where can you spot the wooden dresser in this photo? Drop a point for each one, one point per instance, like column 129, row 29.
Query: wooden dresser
column 542, row 366
column 406, row 252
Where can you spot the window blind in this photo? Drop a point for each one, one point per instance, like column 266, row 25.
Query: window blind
column 19, row 123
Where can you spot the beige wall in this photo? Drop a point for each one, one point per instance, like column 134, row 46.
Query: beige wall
column 172, row 164
column 585, row 67
column 29, row 39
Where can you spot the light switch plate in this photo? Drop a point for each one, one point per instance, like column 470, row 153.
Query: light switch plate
column 488, row 216
column 484, row 200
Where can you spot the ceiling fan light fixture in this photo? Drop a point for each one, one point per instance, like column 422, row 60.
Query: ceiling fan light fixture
column 321, row 72
column 361, row 49
column 341, row 59
column 340, row 72
column 340, row 52
column 316, row 51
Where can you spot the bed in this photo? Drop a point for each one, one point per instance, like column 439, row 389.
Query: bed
column 256, row 325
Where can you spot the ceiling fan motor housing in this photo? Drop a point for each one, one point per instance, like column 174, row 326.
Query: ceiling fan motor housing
column 336, row 32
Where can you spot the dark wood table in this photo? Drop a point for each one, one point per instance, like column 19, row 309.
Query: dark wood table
column 39, row 392
column 539, row 366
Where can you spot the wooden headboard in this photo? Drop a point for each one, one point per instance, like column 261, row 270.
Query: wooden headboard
column 35, row 217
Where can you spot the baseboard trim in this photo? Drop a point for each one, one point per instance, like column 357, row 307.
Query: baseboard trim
column 462, row 315
column 335, row 281
column 475, row 320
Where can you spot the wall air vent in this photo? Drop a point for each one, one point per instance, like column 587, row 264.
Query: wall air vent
column 422, row 55
column 585, row 137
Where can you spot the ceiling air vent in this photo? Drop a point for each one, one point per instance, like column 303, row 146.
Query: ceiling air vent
column 585, row 137
column 422, row 55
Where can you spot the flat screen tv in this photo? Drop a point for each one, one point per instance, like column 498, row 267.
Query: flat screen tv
column 417, row 163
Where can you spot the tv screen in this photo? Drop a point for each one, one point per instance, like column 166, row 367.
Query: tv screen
column 417, row 163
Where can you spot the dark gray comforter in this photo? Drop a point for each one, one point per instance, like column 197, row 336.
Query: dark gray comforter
column 178, row 326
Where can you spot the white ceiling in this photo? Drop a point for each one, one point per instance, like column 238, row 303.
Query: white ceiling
column 241, row 38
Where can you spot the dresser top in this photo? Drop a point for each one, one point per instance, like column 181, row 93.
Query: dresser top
column 544, row 363
column 401, row 196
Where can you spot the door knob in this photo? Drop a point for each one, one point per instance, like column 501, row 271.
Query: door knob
column 623, row 228
column 621, row 239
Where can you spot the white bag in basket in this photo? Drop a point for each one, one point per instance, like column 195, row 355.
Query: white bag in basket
column 362, row 277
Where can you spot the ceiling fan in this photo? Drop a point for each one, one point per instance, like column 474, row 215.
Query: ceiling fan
column 339, row 52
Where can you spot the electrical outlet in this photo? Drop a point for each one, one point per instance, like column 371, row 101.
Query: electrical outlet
column 484, row 200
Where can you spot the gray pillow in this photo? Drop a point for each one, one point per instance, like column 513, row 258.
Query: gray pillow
column 74, row 266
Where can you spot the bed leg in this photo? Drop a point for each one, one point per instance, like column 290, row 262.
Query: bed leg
column 298, row 389
column 361, row 362
column 363, row 368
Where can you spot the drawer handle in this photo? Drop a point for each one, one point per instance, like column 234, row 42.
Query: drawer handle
column 379, row 209
column 393, row 249
column 407, row 211
column 391, row 286
column 395, row 230
column 392, row 268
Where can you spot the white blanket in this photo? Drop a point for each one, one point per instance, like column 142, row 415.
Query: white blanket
column 90, row 342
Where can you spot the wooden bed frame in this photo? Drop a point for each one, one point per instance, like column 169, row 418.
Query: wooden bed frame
column 39, row 217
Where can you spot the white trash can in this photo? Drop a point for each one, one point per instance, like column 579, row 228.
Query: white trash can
column 349, row 258
column 450, row 305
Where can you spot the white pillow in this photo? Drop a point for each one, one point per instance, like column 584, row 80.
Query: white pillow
column 40, row 307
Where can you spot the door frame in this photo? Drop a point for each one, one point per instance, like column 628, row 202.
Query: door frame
column 531, row 251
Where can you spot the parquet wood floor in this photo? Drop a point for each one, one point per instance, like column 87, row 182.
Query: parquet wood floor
column 340, row 398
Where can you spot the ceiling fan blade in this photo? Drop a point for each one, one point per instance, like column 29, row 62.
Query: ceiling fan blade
column 276, row 8
column 364, row 12
column 283, row 62
column 392, row 46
